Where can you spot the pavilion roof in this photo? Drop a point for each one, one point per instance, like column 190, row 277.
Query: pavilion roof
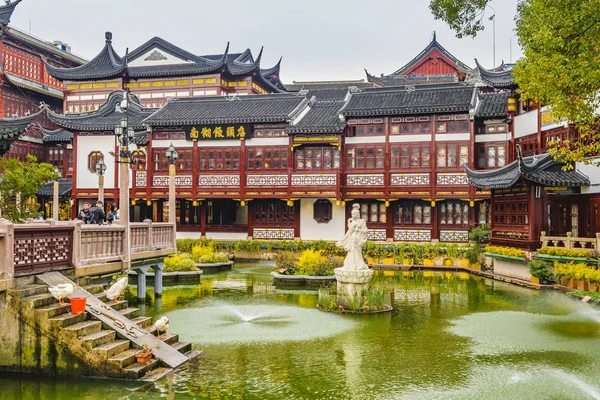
column 107, row 117
column 65, row 186
column 108, row 64
column 423, row 99
column 6, row 12
column 56, row 136
column 496, row 79
column 492, row 105
column 12, row 128
column 540, row 169
column 267, row 108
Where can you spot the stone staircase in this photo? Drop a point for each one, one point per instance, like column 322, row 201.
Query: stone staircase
column 92, row 341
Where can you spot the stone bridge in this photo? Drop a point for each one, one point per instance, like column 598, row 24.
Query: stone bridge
column 78, row 249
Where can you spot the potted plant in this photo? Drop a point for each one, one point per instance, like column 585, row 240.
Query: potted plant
column 408, row 255
column 144, row 355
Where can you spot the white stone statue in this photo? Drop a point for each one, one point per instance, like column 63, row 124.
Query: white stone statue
column 354, row 240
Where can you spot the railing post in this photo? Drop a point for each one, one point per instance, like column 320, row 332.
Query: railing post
column 7, row 250
column 568, row 241
column 597, row 243
column 174, row 236
column 77, row 243
column 543, row 239
column 149, row 241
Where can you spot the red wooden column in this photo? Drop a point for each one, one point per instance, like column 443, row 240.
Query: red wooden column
column 435, row 229
column 75, row 207
column 149, row 170
column 250, row 206
column 195, row 170
column 387, row 177
column 203, row 218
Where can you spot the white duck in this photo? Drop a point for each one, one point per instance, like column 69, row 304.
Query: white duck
column 115, row 291
column 162, row 325
column 61, row 291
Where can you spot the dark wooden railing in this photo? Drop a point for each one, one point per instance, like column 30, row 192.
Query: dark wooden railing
column 40, row 248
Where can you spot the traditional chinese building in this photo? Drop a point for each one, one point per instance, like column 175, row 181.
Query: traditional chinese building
column 25, row 84
column 534, row 194
column 158, row 70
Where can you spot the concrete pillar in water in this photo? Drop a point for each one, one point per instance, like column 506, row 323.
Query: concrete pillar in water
column 158, row 278
column 141, row 284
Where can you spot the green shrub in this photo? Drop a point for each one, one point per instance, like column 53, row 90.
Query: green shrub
column 480, row 234
column 202, row 252
column 285, row 263
column 541, row 270
column 505, row 251
column 221, row 258
column 308, row 261
column 473, row 254
column 180, row 263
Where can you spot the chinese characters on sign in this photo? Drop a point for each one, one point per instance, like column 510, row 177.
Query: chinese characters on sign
column 218, row 132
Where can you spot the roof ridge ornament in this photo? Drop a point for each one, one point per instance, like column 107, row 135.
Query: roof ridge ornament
column 410, row 88
column 232, row 97
column 108, row 37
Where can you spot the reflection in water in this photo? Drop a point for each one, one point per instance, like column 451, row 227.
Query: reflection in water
column 450, row 336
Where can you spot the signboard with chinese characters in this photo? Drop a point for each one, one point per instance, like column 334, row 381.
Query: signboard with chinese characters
column 218, row 132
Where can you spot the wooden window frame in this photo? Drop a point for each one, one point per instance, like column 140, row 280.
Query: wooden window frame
column 93, row 159
column 483, row 154
column 412, row 213
column 358, row 158
column 272, row 213
column 322, row 211
column 227, row 161
column 330, row 158
column 267, row 160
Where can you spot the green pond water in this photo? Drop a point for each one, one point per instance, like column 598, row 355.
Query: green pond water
column 451, row 336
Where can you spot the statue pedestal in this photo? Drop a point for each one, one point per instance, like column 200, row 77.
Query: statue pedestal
column 351, row 283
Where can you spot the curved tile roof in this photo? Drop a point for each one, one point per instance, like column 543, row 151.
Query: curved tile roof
column 56, row 136
column 107, row 117
column 323, row 117
column 538, row 169
column 107, row 64
column 12, row 128
column 497, row 79
column 425, row 99
column 267, row 108
column 65, row 186
column 6, row 12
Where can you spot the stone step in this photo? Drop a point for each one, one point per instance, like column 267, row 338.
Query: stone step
column 98, row 338
column 84, row 328
column 169, row 338
column 130, row 312
column 182, row 347
column 67, row 319
column 136, row 370
column 156, row 374
column 93, row 288
column 192, row 354
column 28, row 290
column 124, row 358
column 118, row 305
column 142, row 322
column 39, row 300
column 53, row 310
column 109, row 349
column 101, row 296
column 152, row 330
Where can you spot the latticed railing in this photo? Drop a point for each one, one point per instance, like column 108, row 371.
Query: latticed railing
column 101, row 243
column 39, row 248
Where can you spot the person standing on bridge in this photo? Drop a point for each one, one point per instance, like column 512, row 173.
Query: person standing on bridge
column 84, row 213
column 97, row 215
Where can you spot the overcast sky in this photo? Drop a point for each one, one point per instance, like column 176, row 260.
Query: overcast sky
column 318, row 39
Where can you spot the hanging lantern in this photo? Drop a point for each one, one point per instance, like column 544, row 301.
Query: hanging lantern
column 511, row 105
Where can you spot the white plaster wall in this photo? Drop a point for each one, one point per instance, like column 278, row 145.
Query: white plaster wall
column 407, row 138
column 226, row 235
column 311, row 230
column 526, row 124
column 512, row 269
column 492, row 137
column 592, row 172
column 276, row 141
column 451, row 137
column 188, row 235
column 86, row 145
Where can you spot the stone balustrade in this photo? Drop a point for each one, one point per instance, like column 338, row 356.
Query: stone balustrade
column 570, row 242
column 39, row 246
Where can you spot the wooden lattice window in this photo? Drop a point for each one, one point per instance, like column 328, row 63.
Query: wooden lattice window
column 322, row 211
column 93, row 159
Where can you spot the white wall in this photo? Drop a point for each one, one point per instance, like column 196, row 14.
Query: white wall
column 592, row 172
column 86, row 145
column 526, row 124
column 311, row 230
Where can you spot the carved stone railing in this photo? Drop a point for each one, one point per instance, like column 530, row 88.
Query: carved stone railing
column 570, row 242
column 100, row 244
column 149, row 236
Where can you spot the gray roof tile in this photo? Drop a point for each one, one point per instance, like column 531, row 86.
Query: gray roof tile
column 65, row 186
column 424, row 99
column 497, row 79
column 267, row 108
column 538, row 169
column 492, row 105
